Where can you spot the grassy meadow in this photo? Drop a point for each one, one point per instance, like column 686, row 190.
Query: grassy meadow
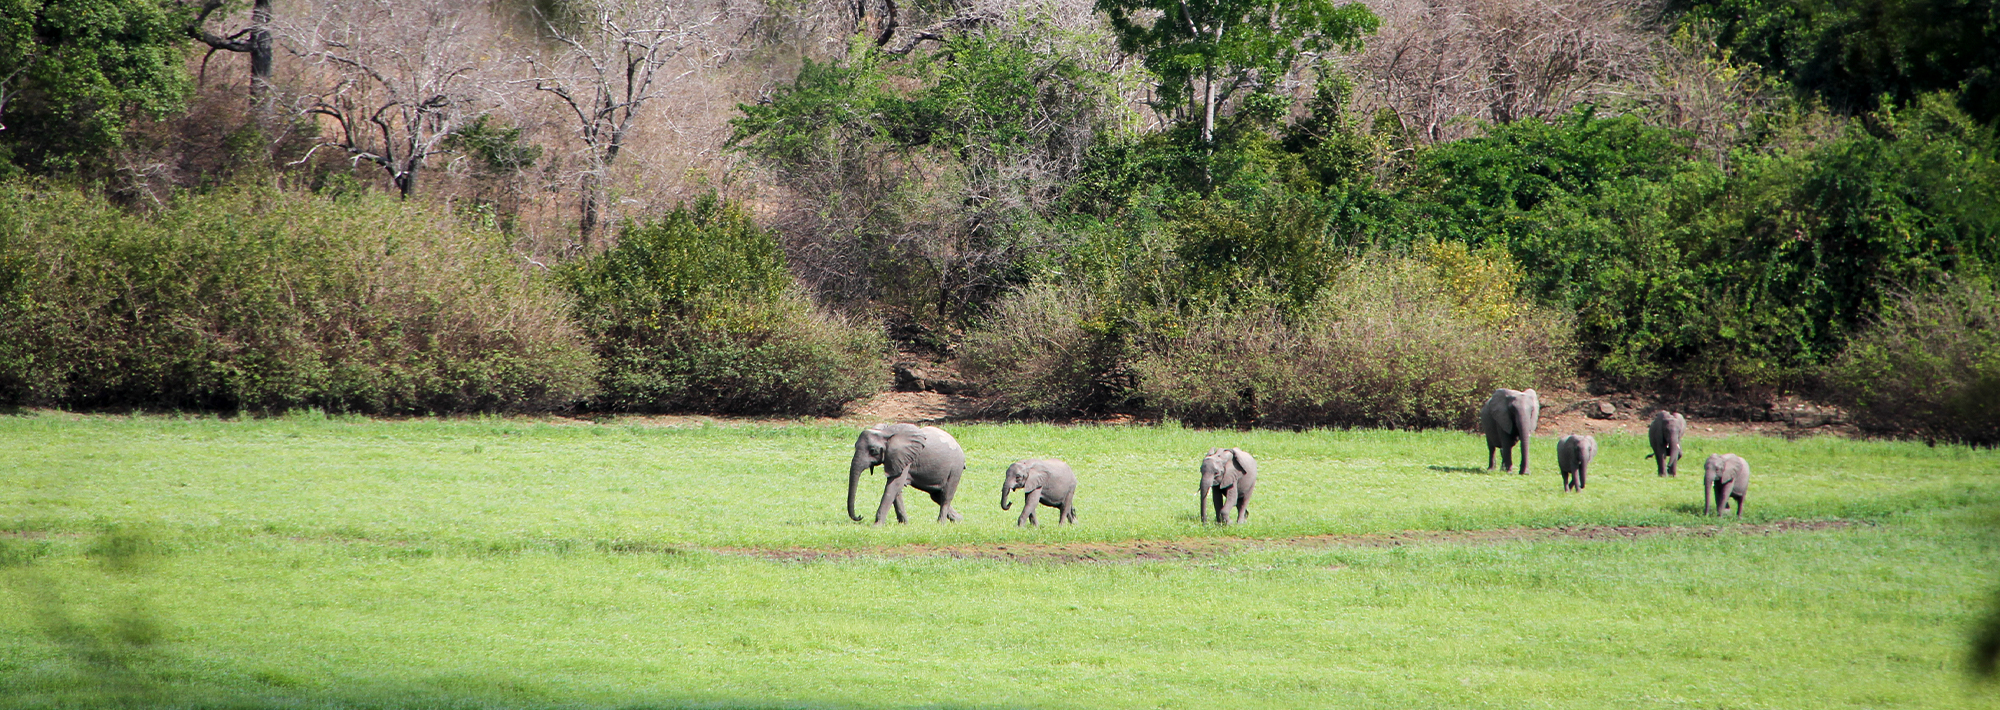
column 335, row 562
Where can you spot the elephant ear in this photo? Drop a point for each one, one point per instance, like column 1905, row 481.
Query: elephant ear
column 901, row 453
column 1036, row 478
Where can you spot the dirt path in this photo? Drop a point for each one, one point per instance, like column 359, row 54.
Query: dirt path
column 1208, row 547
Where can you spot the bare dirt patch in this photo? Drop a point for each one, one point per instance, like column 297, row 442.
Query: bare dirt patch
column 1210, row 547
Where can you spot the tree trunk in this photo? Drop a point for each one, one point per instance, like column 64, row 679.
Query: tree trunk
column 591, row 205
column 406, row 182
column 260, row 47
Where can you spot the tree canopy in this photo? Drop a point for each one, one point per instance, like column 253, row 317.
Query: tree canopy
column 70, row 70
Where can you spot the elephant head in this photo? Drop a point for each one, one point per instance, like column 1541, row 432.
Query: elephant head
column 1019, row 476
column 869, row 450
column 1218, row 470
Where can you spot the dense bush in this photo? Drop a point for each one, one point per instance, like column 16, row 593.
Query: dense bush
column 696, row 312
column 1930, row 366
column 1049, row 349
column 1755, row 278
column 1389, row 345
column 255, row 299
column 1390, row 341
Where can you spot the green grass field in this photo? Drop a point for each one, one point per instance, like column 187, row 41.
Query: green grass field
column 313, row 562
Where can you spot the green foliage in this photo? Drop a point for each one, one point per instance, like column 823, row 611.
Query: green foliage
column 1391, row 345
column 1203, row 51
column 1930, row 366
column 251, row 299
column 1485, row 183
column 696, row 312
column 927, row 179
column 72, row 70
column 496, row 149
column 1754, row 279
column 1853, row 54
column 1378, row 340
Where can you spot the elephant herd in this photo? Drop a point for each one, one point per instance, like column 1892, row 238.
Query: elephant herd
column 928, row 459
column 1509, row 417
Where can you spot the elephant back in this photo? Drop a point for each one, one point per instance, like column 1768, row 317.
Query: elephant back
column 940, row 447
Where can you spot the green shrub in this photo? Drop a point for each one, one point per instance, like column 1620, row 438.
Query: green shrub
column 696, row 312
column 1390, row 341
column 260, row 300
column 1391, row 344
column 1048, row 349
column 1930, row 366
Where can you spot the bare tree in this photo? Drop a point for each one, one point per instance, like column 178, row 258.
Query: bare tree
column 403, row 75
column 615, row 56
column 254, row 40
column 1441, row 65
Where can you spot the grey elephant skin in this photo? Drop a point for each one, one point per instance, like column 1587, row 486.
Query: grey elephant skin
column 1665, row 434
column 1047, row 482
column 1724, row 477
column 1573, row 455
column 1228, row 476
column 924, row 458
column 1508, row 417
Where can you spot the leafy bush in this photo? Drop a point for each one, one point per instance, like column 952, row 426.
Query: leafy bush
column 696, row 312
column 1048, row 349
column 1755, row 279
column 1391, row 344
column 1390, row 341
column 1931, row 366
column 254, row 299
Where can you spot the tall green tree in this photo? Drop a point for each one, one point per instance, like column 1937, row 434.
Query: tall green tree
column 1207, row 51
column 71, row 71
column 1853, row 53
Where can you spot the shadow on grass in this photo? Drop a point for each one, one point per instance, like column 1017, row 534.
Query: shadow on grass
column 441, row 694
column 1688, row 508
column 1464, row 469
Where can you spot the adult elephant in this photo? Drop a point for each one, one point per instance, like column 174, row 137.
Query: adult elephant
column 924, row 458
column 1507, row 417
column 1665, row 433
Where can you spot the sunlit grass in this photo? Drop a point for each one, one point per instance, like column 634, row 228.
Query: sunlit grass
column 509, row 563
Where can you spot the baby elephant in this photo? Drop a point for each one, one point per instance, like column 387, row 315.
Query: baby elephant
column 1724, row 475
column 1231, row 474
column 1573, row 455
column 1048, row 481
column 1665, row 434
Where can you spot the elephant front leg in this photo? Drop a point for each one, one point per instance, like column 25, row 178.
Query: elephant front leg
column 892, row 498
column 1028, row 504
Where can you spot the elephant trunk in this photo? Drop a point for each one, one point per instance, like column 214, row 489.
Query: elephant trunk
column 1006, row 492
column 1201, row 503
column 861, row 463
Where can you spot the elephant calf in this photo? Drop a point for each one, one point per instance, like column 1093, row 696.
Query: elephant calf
column 1231, row 474
column 1665, row 434
column 1573, row 455
column 1724, row 476
column 1048, row 482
